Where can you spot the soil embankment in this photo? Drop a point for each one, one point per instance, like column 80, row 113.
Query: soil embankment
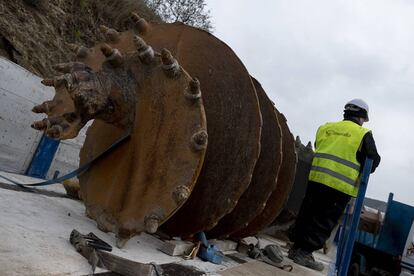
column 35, row 33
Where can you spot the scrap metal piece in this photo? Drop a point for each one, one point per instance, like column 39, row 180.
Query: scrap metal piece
column 285, row 179
column 264, row 179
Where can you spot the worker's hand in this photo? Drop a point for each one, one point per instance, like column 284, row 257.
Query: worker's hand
column 81, row 95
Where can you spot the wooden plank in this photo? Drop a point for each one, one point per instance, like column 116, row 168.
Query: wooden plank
column 177, row 247
column 124, row 266
column 258, row 268
column 224, row 245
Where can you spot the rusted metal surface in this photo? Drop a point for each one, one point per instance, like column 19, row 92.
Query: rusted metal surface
column 233, row 116
column 285, row 179
column 263, row 183
column 132, row 84
column 234, row 125
column 142, row 182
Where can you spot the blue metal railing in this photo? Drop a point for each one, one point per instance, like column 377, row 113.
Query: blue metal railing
column 347, row 237
column 342, row 237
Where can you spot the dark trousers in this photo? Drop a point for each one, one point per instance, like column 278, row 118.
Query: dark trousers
column 320, row 212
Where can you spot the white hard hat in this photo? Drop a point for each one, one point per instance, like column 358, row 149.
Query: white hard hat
column 356, row 105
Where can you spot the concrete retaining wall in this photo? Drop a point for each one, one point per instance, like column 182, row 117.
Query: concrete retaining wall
column 20, row 90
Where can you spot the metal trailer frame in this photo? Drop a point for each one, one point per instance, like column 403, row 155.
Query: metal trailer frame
column 386, row 247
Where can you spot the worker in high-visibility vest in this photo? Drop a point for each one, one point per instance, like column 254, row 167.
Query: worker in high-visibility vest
column 340, row 151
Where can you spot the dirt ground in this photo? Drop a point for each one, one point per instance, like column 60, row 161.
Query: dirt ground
column 35, row 34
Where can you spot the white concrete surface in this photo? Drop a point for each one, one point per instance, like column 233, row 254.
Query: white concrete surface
column 20, row 90
column 35, row 229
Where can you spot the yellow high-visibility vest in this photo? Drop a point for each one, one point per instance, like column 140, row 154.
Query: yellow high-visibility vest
column 334, row 163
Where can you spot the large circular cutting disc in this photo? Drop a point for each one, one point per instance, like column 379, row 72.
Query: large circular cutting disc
column 234, row 124
column 263, row 183
column 141, row 183
column 285, row 179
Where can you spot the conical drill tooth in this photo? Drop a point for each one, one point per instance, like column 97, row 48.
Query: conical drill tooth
column 151, row 223
column 73, row 47
column 193, row 92
column 110, row 34
column 166, row 57
column 106, row 50
column 112, row 55
column 170, row 64
column 66, row 79
column 180, row 194
column 146, row 53
column 120, row 242
column 195, row 86
column 41, row 125
column 63, row 67
column 79, row 50
column 69, row 67
column 45, row 107
column 116, row 58
column 139, row 42
column 103, row 29
column 82, row 52
column 298, row 142
column 48, row 82
column 39, row 109
column 199, row 140
column 141, row 25
column 55, row 131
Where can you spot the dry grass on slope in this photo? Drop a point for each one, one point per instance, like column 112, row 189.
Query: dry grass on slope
column 36, row 37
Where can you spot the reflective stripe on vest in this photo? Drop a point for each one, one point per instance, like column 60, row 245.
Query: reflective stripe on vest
column 334, row 163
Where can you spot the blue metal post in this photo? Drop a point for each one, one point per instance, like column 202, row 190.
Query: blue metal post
column 342, row 238
column 349, row 244
column 43, row 157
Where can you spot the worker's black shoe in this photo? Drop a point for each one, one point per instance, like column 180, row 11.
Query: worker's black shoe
column 306, row 259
